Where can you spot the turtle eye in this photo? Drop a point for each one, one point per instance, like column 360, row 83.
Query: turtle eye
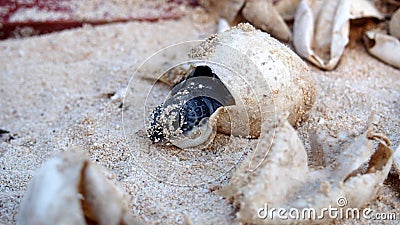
column 194, row 110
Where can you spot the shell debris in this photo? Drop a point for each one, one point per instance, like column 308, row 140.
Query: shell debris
column 284, row 180
column 69, row 189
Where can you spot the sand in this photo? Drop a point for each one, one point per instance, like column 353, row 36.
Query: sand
column 56, row 93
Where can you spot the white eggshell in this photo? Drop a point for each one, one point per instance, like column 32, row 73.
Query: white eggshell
column 283, row 179
column 67, row 189
column 264, row 76
column 394, row 24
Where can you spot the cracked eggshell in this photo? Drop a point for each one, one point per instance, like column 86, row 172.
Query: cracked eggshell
column 282, row 170
column 394, row 24
column 67, row 189
column 284, row 180
column 286, row 8
column 364, row 9
column 51, row 197
column 102, row 201
column 264, row 76
column 263, row 15
column 321, row 32
column 383, row 47
column 228, row 9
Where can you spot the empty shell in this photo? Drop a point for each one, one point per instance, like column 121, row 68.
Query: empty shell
column 364, row 9
column 284, row 181
column 263, row 15
column 383, row 47
column 320, row 31
column 68, row 189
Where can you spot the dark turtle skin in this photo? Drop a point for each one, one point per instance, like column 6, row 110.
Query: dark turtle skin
column 196, row 109
column 194, row 105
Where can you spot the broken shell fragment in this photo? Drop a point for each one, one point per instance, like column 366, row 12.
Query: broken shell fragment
column 394, row 24
column 68, row 189
column 364, row 9
column 263, row 15
column 247, row 77
column 383, row 47
column 323, row 45
column 286, row 8
column 227, row 9
column 284, row 181
column 223, row 25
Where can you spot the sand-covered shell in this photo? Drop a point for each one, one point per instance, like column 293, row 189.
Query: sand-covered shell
column 284, row 181
column 383, row 47
column 264, row 72
column 262, row 76
column 68, row 189
column 394, row 24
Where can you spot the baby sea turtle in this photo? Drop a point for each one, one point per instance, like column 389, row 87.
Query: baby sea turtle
column 243, row 78
column 186, row 111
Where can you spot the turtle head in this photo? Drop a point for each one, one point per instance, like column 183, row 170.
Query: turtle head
column 185, row 124
column 184, row 118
